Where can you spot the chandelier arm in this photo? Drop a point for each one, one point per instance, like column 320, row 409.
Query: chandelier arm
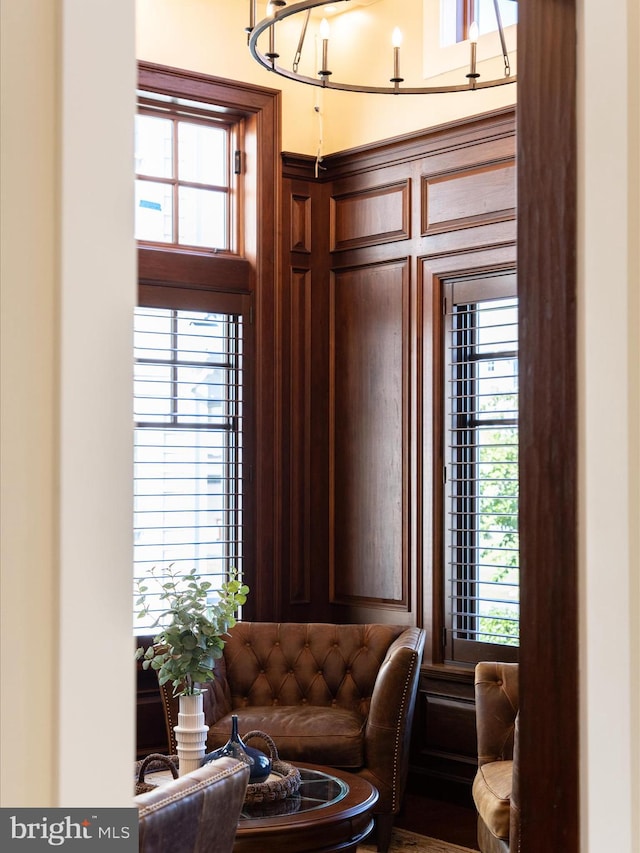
column 296, row 59
column 503, row 43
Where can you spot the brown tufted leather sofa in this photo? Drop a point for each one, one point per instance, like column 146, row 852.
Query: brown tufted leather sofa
column 196, row 813
column 495, row 787
column 338, row 695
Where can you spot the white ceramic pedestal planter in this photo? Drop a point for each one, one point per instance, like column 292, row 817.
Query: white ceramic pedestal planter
column 191, row 733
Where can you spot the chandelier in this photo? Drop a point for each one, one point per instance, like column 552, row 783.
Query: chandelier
column 265, row 34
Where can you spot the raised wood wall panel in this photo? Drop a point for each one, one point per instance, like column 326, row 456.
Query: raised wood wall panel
column 370, row 216
column 463, row 198
column 369, row 370
column 444, row 733
column 300, row 223
column 300, row 568
column 450, row 746
column 304, row 594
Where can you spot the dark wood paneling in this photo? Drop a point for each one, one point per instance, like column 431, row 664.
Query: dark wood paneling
column 451, row 748
column 193, row 269
column 369, row 345
column 455, row 145
column 549, row 735
column 444, row 742
column 300, row 223
column 369, row 217
column 462, row 199
column 464, row 154
column 300, row 571
column 378, row 557
column 303, row 345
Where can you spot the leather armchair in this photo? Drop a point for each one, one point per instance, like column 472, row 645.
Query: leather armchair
column 195, row 813
column 337, row 695
column 495, row 787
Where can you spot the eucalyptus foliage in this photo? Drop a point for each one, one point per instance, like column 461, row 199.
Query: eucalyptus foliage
column 193, row 626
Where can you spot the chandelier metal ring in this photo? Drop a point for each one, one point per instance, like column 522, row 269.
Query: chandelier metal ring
column 269, row 58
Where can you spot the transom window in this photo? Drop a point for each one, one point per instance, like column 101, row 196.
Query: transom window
column 186, row 177
column 481, row 475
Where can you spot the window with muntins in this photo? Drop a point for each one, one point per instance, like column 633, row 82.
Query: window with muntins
column 186, row 175
column 481, row 469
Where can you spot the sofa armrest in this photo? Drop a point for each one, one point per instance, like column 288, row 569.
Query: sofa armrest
column 496, row 693
column 388, row 731
column 186, row 813
column 514, row 808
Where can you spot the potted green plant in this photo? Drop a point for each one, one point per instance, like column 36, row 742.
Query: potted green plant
column 192, row 626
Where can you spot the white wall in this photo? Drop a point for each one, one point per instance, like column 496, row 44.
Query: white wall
column 609, row 394
column 28, row 341
column 68, row 290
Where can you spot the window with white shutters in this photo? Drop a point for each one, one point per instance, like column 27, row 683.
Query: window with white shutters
column 481, row 468
column 188, row 464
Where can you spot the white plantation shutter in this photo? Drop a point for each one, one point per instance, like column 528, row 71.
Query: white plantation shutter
column 481, row 474
column 188, row 464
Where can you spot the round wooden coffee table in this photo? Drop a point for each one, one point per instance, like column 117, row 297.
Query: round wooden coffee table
column 331, row 811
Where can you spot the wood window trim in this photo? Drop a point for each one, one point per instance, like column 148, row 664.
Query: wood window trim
column 255, row 273
column 434, row 271
column 461, row 455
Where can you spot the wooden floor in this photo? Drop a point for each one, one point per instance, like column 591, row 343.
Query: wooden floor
column 441, row 811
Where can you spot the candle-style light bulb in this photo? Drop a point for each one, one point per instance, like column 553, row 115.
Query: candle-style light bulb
column 325, row 30
column 324, row 35
column 396, row 41
column 473, row 42
column 271, row 13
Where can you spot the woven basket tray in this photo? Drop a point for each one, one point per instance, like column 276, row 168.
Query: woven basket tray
column 272, row 789
column 152, row 763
